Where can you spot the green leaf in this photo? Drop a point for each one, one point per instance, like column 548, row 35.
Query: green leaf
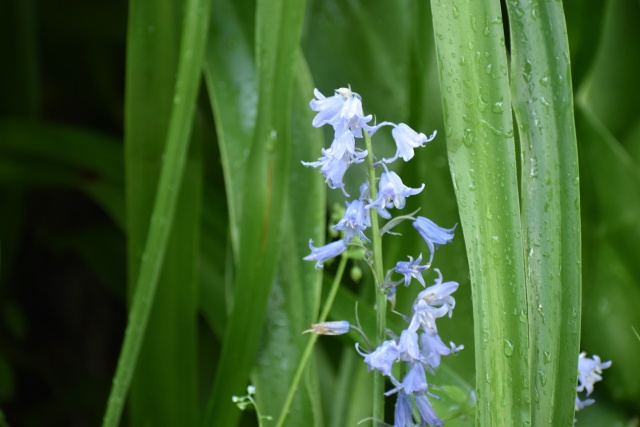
column 166, row 381
column 296, row 290
column 263, row 196
column 550, row 204
column 476, row 101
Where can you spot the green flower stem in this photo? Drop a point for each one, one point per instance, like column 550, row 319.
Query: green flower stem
column 314, row 337
column 381, row 299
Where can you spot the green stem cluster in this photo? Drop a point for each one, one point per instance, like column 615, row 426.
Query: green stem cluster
column 381, row 299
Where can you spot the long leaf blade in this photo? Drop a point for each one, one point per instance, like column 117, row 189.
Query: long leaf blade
column 476, row 101
column 543, row 105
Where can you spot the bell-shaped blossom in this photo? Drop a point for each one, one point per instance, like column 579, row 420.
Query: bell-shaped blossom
column 342, row 110
column 409, row 347
column 427, row 413
column 439, row 294
column 406, row 140
column 337, row 327
column 402, row 416
column 433, row 303
column 344, row 143
column 332, row 168
column 589, row 372
column 323, row 253
column 432, row 348
column 356, row 219
column 411, row 268
column 414, row 381
column 392, row 193
column 432, row 234
column 382, row 358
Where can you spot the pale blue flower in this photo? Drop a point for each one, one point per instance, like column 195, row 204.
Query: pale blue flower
column 432, row 234
column 382, row 358
column 355, row 219
column 402, row 416
column 414, row 381
column 344, row 143
column 589, row 371
column 427, row 413
column 411, row 268
column 433, row 303
column 408, row 346
column 338, row 327
column 406, row 140
column 323, row 253
column 333, row 169
column 342, row 110
column 392, row 193
column 432, row 348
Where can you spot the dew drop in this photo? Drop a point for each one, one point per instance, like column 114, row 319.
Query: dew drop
column 508, row 348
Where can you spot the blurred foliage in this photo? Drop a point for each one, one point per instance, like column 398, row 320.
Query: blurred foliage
column 65, row 228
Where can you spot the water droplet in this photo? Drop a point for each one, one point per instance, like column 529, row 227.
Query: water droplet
column 482, row 104
column 526, row 71
column 508, row 348
column 467, row 137
column 543, row 378
column 497, row 107
column 456, row 12
column 547, row 357
column 489, row 68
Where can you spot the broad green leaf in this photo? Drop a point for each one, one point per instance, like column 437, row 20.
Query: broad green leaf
column 263, row 196
column 163, row 212
column 550, row 203
column 296, row 289
column 477, row 112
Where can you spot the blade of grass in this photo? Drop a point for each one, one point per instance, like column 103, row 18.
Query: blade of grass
column 543, row 104
column 163, row 214
column 278, row 27
column 475, row 94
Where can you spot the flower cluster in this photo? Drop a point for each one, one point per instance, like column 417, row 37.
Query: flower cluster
column 589, row 371
column 419, row 348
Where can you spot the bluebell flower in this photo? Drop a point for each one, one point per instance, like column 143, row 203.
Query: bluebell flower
column 402, row 416
column 439, row 294
column 344, row 143
column 433, row 303
column 338, row 327
column 414, row 381
column 406, row 140
column 392, row 193
column 427, row 413
column 355, row 219
column 589, row 373
column 409, row 347
column 382, row 358
column 323, row 253
column 432, row 348
column 432, row 234
column 333, row 169
column 411, row 268
column 342, row 110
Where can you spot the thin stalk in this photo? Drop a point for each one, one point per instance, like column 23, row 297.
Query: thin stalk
column 381, row 300
column 314, row 337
